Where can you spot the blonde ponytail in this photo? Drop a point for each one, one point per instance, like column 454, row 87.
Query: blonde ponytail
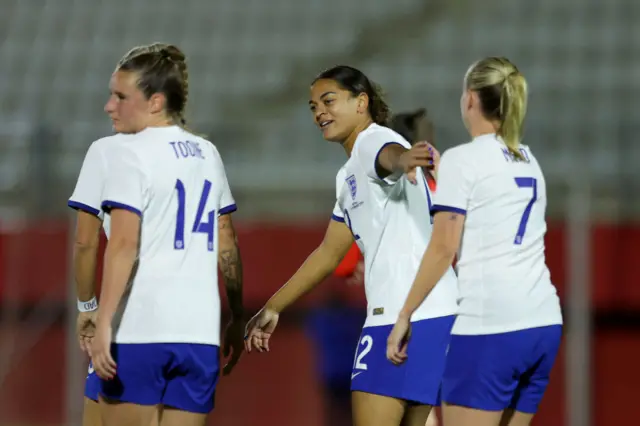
column 502, row 90
column 513, row 108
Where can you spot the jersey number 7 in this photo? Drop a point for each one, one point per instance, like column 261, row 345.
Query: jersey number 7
column 526, row 182
column 198, row 224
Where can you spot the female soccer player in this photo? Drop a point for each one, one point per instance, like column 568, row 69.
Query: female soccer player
column 86, row 200
column 167, row 194
column 509, row 326
column 386, row 214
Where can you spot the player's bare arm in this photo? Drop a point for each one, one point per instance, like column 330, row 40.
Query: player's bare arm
column 322, row 262
column 230, row 263
column 119, row 259
column 396, row 159
column 445, row 241
column 85, row 253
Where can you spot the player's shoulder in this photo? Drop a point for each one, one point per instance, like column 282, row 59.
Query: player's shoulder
column 341, row 175
column 206, row 144
column 104, row 143
column 100, row 149
column 466, row 152
column 382, row 134
column 122, row 148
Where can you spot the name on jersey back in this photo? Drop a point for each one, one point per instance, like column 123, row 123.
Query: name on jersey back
column 187, row 149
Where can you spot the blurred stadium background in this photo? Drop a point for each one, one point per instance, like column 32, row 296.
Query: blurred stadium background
column 250, row 65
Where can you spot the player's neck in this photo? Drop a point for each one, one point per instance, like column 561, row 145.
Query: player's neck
column 482, row 128
column 160, row 122
column 351, row 139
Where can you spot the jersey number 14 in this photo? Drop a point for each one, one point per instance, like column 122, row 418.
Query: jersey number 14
column 198, row 225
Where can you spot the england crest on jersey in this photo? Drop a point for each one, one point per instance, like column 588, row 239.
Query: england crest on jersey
column 351, row 181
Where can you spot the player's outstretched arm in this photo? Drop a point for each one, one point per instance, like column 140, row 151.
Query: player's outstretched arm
column 230, row 264
column 85, row 254
column 394, row 159
column 322, row 262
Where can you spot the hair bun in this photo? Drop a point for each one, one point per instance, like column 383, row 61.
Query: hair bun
column 173, row 53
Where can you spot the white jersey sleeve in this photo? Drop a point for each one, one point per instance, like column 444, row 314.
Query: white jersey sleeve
column 337, row 214
column 369, row 149
column 126, row 185
column 87, row 194
column 227, row 203
column 455, row 183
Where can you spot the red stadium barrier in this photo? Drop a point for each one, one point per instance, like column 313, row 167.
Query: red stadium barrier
column 283, row 387
column 36, row 259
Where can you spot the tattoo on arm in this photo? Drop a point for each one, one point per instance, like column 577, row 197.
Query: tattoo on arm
column 230, row 264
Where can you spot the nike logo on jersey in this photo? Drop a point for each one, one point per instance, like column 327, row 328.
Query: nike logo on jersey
column 354, row 375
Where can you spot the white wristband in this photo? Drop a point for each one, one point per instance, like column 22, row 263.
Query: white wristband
column 88, row 306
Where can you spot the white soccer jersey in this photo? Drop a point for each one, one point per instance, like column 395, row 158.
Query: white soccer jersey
column 503, row 280
column 176, row 182
column 391, row 224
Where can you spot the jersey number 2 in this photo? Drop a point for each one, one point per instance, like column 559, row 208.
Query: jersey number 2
column 367, row 342
column 526, row 182
column 198, row 224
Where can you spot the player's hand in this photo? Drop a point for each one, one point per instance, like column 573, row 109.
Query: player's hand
column 259, row 330
column 357, row 278
column 435, row 156
column 86, row 329
column 398, row 341
column 101, row 358
column 420, row 155
column 233, row 344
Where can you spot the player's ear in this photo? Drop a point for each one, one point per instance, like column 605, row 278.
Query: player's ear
column 362, row 103
column 157, row 101
column 473, row 100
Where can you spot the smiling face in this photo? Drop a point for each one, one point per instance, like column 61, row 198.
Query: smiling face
column 336, row 111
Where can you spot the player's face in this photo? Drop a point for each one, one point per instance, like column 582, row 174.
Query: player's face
column 127, row 106
column 335, row 110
